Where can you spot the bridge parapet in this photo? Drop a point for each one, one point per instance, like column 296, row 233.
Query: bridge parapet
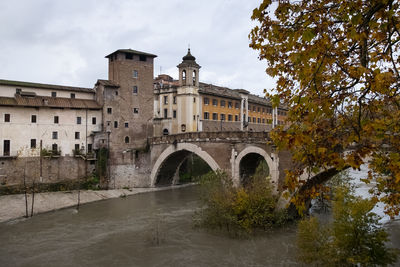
column 229, row 136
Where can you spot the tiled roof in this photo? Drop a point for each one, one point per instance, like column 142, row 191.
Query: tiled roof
column 45, row 86
column 211, row 89
column 52, row 102
column 107, row 83
column 131, row 51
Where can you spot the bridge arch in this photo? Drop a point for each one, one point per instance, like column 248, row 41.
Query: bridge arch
column 272, row 163
column 184, row 149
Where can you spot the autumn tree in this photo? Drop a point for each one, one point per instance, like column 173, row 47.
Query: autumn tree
column 336, row 64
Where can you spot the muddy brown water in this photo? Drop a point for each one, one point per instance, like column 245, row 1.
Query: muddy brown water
column 152, row 229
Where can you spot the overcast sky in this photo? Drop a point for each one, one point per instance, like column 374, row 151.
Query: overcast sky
column 64, row 42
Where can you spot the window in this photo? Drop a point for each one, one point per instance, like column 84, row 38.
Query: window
column 72, row 95
column 53, row 94
column 77, row 135
column 237, row 105
column 116, row 92
column 236, row 118
column 165, row 99
column 254, row 119
column 194, row 117
column 249, row 119
column 54, row 148
column 142, row 57
column 77, row 147
column 222, row 103
column 94, row 120
column 206, row 101
column 258, row 120
column 6, row 148
column 258, row 109
column 135, row 90
column 108, row 123
column 229, row 117
column 263, row 121
column 215, row 116
column 78, row 120
column 55, row 135
column 215, row 102
column 254, row 108
column 18, row 91
column 115, row 124
column 184, row 75
column 55, row 119
column 174, row 114
column 7, row 117
column 206, row 115
column 135, row 110
column 174, row 100
column 89, row 148
column 33, row 118
column 194, row 77
column 33, row 143
column 222, row 117
column 128, row 56
column 109, row 110
column 135, row 74
column 126, row 139
column 126, row 125
column 194, row 100
column 229, row 104
column 165, row 113
column 263, row 110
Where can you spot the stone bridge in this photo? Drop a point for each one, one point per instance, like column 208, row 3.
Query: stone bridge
column 237, row 153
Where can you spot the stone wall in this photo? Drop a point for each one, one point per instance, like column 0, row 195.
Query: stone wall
column 12, row 169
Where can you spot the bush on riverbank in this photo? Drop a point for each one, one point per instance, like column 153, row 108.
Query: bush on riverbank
column 354, row 238
column 89, row 183
column 237, row 209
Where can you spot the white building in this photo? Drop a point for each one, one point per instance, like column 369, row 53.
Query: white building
column 63, row 118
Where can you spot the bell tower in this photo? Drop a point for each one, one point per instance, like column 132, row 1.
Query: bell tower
column 189, row 71
column 189, row 101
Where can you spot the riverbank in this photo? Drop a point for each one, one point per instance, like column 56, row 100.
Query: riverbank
column 13, row 206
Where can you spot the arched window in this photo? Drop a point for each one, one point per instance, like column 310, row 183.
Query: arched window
column 126, row 139
column 184, row 76
column 194, row 77
column 165, row 132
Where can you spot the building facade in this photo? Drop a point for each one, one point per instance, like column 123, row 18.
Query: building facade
column 187, row 105
column 121, row 113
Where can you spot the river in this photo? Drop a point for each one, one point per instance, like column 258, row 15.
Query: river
column 151, row 229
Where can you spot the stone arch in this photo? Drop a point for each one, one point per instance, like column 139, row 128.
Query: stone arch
column 272, row 162
column 180, row 147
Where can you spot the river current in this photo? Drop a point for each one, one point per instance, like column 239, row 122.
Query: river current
column 151, row 229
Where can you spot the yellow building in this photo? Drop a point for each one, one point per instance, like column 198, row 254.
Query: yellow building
column 187, row 105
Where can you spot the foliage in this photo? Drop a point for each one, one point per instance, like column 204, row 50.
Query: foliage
column 337, row 69
column 354, row 238
column 192, row 168
column 92, row 183
column 46, row 152
column 101, row 166
column 237, row 209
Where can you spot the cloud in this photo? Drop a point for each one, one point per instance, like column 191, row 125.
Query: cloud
column 64, row 42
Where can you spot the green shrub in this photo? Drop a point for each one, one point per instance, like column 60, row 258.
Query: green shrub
column 238, row 209
column 354, row 238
